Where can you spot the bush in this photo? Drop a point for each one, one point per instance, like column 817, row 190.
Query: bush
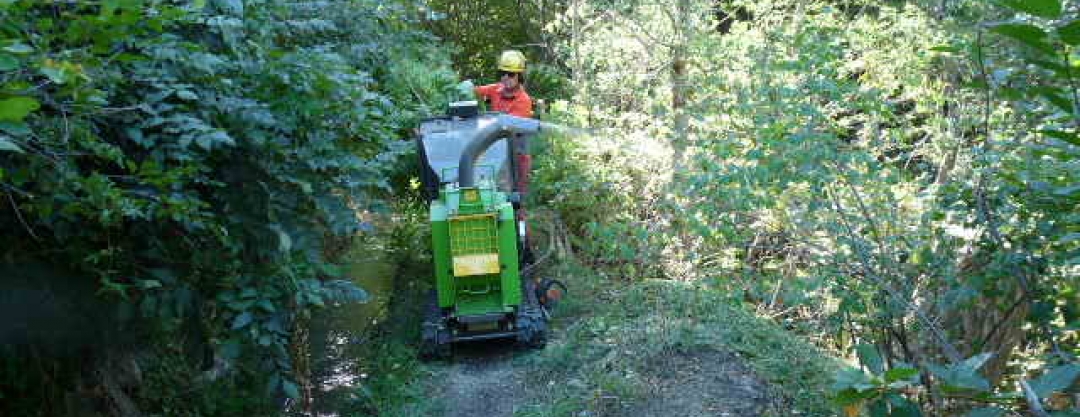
column 192, row 160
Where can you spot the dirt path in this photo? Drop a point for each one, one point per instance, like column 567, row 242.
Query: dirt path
column 487, row 381
column 482, row 380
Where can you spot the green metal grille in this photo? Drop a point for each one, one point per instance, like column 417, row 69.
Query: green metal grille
column 473, row 234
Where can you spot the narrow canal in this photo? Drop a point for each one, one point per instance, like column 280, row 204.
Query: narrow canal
column 339, row 335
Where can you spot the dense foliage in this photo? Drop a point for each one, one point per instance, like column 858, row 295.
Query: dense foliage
column 480, row 30
column 896, row 180
column 197, row 162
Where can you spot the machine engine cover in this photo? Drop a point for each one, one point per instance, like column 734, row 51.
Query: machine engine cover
column 444, row 140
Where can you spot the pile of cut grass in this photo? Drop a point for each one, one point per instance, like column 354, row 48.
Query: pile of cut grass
column 608, row 331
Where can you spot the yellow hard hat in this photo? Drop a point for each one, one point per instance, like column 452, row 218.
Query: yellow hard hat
column 512, row 61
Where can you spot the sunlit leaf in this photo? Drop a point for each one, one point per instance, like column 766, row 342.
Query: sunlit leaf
column 1056, row 379
column 17, row 129
column 869, row 357
column 963, row 376
column 7, row 145
column 1067, row 191
column 17, row 108
column 56, row 75
column 284, row 241
column 19, row 48
column 977, row 361
column 242, row 320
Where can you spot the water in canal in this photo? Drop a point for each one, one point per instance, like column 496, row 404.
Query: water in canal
column 339, row 334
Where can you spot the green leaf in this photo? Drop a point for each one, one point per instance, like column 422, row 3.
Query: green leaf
column 1057, row 97
column 878, row 408
column 1070, row 33
column 291, row 389
column 852, row 396
column 19, row 48
column 7, row 145
column 8, row 62
column 852, row 378
column 231, row 349
column 267, row 306
column 946, row 48
column 108, row 7
column 1050, row 9
column 17, row 129
column 1057, row 67
column 1030, row 35
column 284, row 241
column 985, row 412
column 1067, row 191
column 902, row 407
column 164, row 275
column 870, row 358
column 977, row 361
column 230, row 7
column 56, row 75
column 900, row 374
column 963, row 376
column 1069, row 137
column 1057, row 379
column 17, row 108
column 242, row 320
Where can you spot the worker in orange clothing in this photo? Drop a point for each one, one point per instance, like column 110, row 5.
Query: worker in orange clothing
column 508, row 95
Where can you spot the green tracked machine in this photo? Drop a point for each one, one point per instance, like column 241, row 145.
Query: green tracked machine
column 474, row 170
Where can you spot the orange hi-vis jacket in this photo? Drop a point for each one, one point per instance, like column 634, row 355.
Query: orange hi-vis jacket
column 520, row 104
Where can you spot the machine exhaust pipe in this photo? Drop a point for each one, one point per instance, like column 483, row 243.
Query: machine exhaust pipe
column 504, row 126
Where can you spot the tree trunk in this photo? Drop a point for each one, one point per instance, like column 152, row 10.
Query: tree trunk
column 680, row 90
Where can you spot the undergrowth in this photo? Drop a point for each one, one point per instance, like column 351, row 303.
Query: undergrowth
column 609, row 328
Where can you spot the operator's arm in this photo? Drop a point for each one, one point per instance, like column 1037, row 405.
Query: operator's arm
column 527, row 108
column 485, row 91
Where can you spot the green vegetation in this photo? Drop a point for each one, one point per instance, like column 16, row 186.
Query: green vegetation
column 891, row 182
column 600, row 361
column 199, row 162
